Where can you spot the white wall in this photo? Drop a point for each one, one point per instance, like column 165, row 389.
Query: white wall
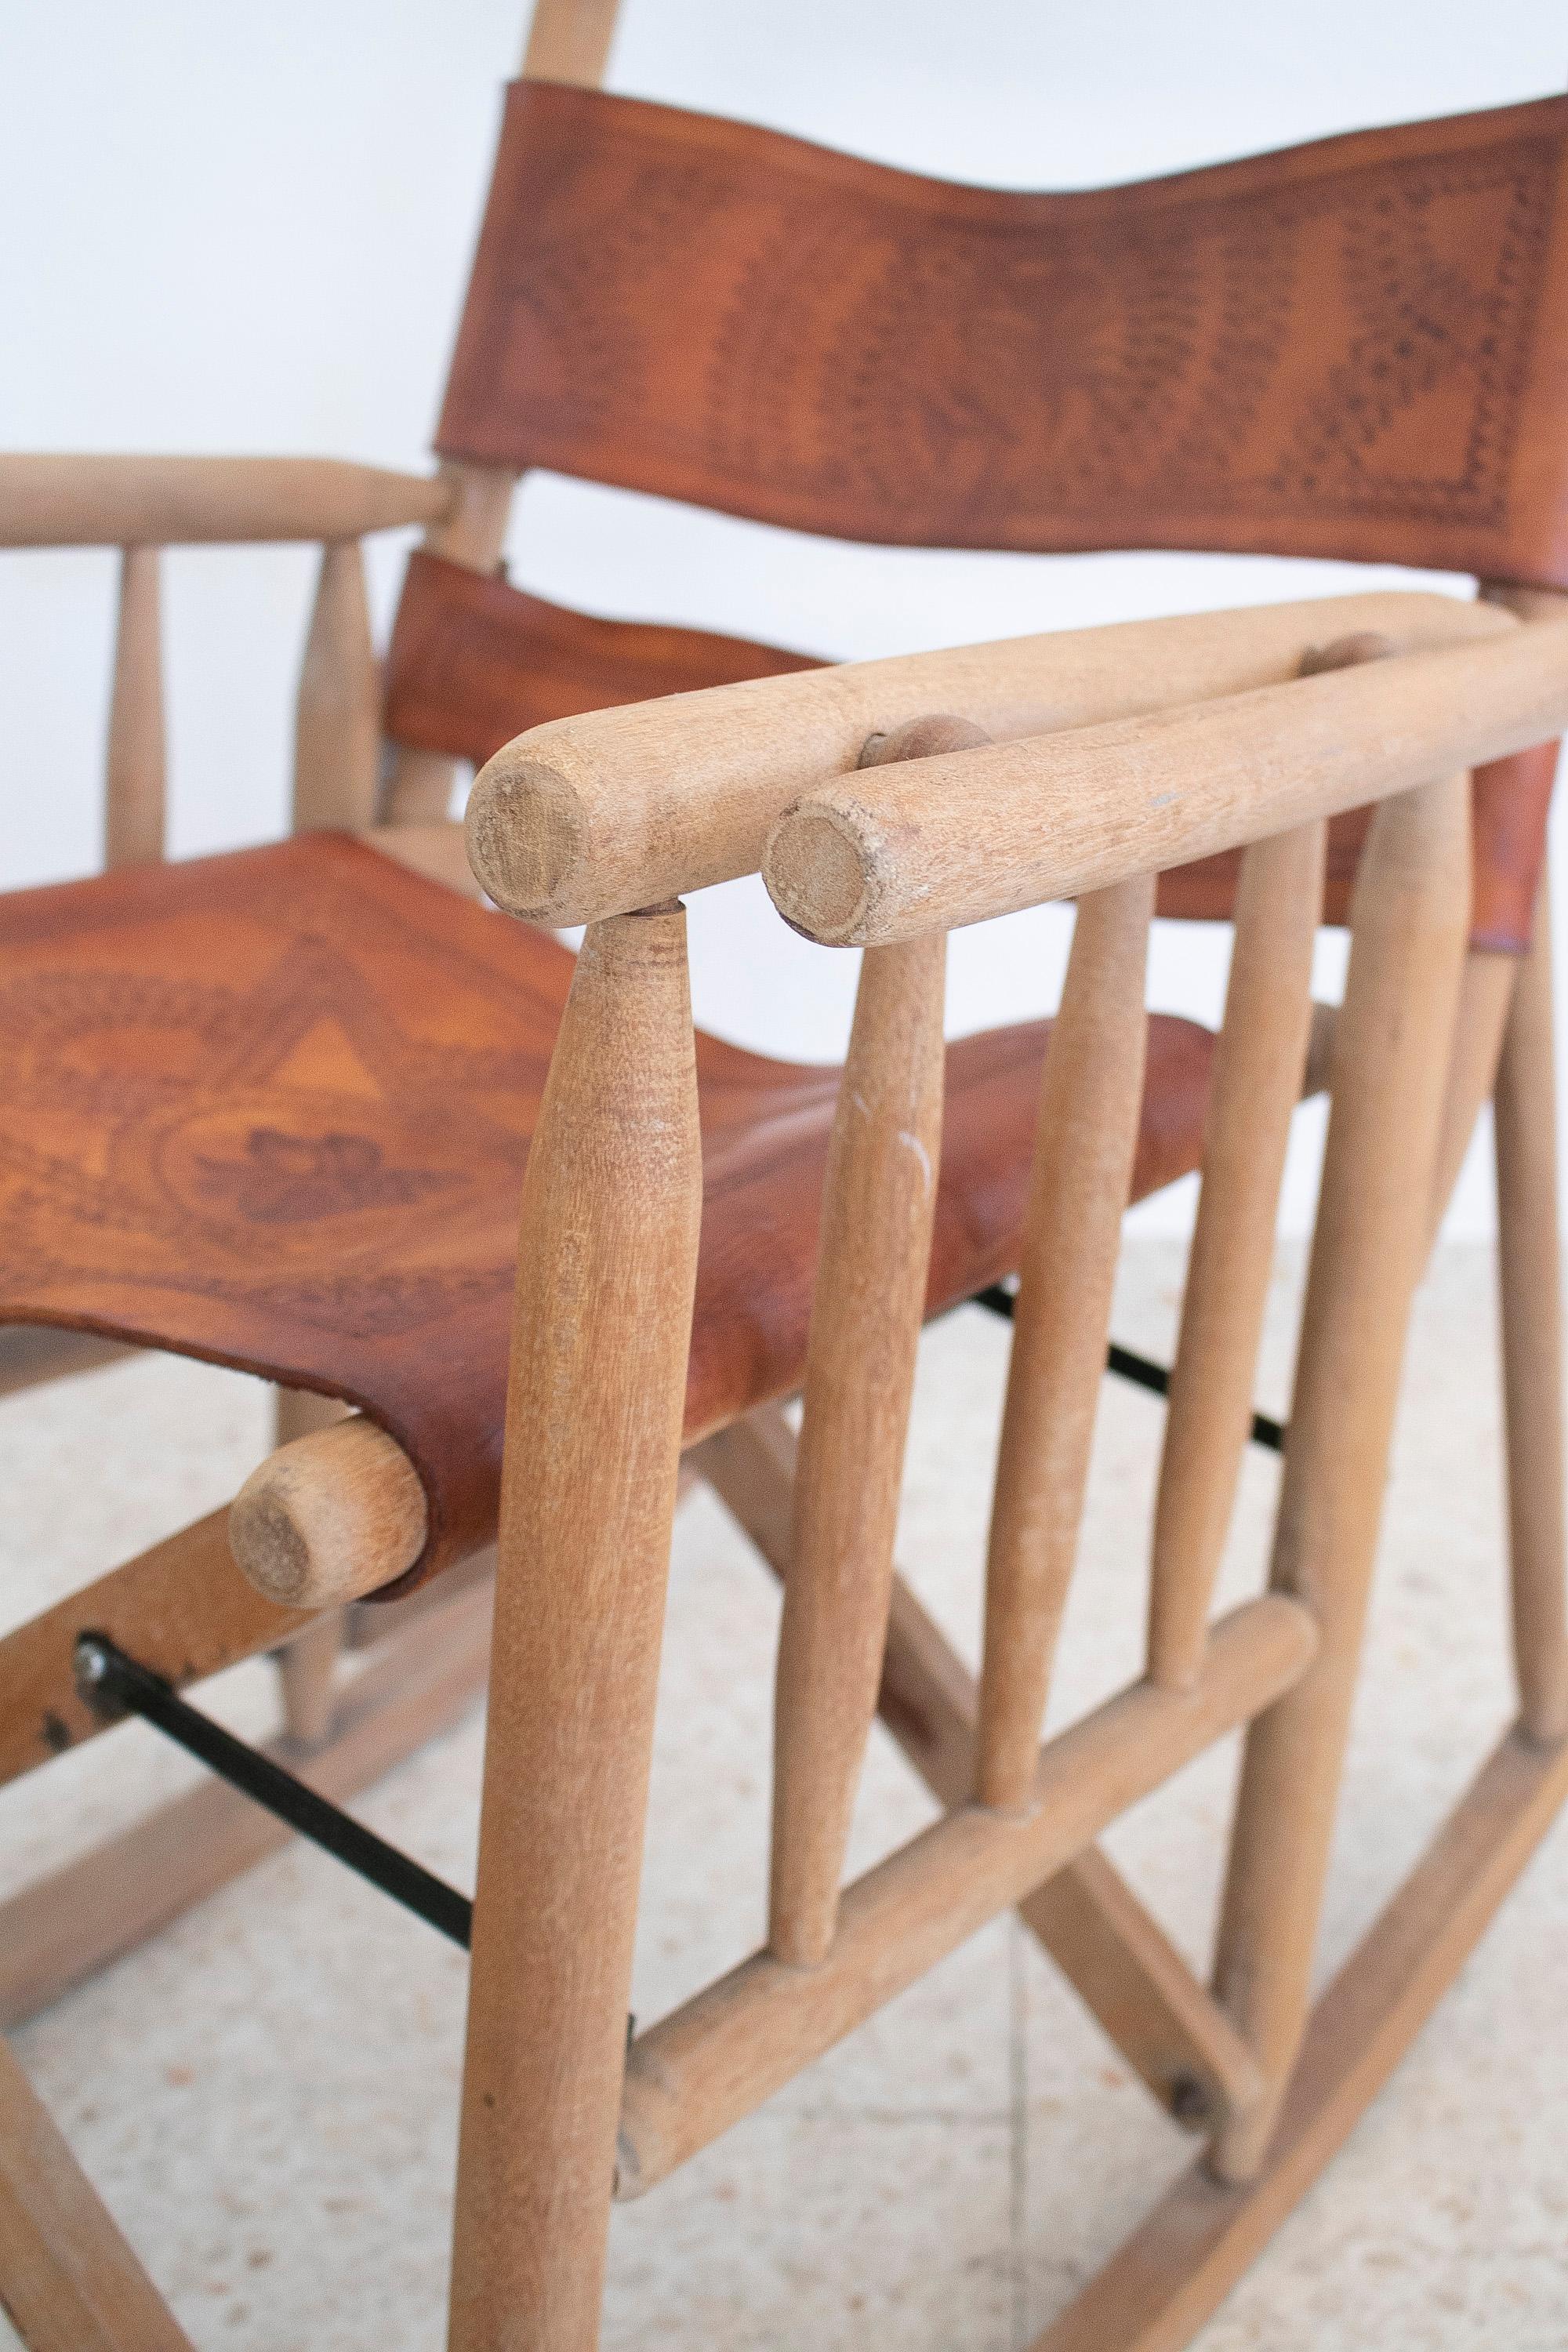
column 248, row 228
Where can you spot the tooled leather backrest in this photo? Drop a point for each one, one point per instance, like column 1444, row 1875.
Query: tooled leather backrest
column 1357, row 348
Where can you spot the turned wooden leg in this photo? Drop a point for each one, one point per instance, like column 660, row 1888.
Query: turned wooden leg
column 308, row 1667
column 1530, row 1300
column 608, row 1256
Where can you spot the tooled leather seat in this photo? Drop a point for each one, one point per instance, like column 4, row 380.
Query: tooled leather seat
column 272, row 1109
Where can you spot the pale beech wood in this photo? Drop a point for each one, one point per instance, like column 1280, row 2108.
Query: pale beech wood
column 134, row 766
column 133, row 501
column 435, row 850
column 586, row 815
column 710, row 2062
column 1177, row 2267
column 71, row 2283
column 1530, row 1286
column 1410, row 912
column 1111, row 1951
column 308, row 1675
column 1486, row 991
column 607, row 1275
column 308, row 1665
column 878, row 1200
column 1091, row 1096
column 1260, row 1066
column 34, row 1354
column 977, row 834
column 337, row 727
column 420, row 1678
column 569, row 40
column 330, row 1516
column 182, row 1608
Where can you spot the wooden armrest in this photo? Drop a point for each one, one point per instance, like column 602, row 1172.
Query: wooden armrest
column 623, row 808
column 934, row 844
column 89, row 500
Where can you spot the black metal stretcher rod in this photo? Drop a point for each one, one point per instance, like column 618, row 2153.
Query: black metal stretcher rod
column 1140, row 1370
column 116, row 1685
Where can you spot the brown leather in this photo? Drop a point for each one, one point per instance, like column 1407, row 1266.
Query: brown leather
column 1510, row 801
column 1357, row 348
column 474, row 661
column 272, row 1109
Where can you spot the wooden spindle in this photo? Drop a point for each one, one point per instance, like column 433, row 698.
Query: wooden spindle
column 134, row 779
column 878, row 1199
column 1529, row 1284
column 607, row 1273
column 1409, row 917
column 1091, row 1096
column 337, row 729
column 1258, row 1074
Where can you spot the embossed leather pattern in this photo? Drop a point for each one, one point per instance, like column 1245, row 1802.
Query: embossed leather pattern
column 1357, row 348
column 474, row 661
column 272, row 1109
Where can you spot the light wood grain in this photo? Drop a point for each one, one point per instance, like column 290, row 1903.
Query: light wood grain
column 1529, row 1284
column 1486, row 991
column 89, row 500
column 979, row 834
column 135, row 767
column 1410, row 912
column 330, row 1516
column 1092, row 1096
column 569, row 40
column 607, row 1273
column 1106, row 1942
column 70, row 2280
column 1259, row 1063
column 336, row 727
column 879, row 1201
column 586, row 815
column 182, row 1608
column 692, row 2076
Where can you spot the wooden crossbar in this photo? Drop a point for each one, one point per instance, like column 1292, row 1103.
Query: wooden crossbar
column 710, row 2062
column 1106, row 1942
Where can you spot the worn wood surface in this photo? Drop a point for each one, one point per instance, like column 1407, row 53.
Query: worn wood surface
column 1389, row 1069
column 606, row 1272
column 1090, row 1098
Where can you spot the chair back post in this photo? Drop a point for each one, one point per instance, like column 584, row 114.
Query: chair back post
column 568, row 41
column 135, row 779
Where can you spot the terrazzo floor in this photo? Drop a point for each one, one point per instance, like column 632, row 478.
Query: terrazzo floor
column 266, row 2096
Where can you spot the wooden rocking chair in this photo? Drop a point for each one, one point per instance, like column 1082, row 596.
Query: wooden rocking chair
column 314, row 1172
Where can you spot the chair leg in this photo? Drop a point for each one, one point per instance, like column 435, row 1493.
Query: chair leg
column 307, row 1666
column 1530, row 1297
column 607, row 1247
